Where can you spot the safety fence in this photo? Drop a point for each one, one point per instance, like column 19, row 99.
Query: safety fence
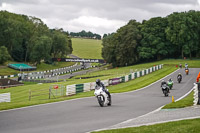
column 77, row 88
column 54, row 91
column 196, row 94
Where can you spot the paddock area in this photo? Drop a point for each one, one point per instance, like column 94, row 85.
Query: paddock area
column 21, row 67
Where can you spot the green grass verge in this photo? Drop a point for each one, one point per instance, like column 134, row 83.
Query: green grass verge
column 185, row 102
column 183, row 126
column 87, row 48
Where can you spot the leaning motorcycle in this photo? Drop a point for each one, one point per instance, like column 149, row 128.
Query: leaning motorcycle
column 179, row 79
column 102, row 98
column 165, row 89
column 170, row 84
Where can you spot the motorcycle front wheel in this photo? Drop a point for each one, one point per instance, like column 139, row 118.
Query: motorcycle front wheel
column 101, row 100
column 165, row 93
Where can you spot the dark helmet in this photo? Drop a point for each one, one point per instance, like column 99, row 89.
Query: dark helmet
column 98, row 81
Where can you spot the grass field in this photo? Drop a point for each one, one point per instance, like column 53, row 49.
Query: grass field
column 87, row 48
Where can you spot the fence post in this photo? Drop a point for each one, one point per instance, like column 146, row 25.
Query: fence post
column 49, row 93
column 29, row 94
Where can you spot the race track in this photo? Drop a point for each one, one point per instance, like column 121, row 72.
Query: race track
column 84, row 115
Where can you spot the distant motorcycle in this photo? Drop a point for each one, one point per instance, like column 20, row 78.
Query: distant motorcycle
column 179, row 79
column 186, row 71
column 102, row 98
column 170, row 84
column 165, row 89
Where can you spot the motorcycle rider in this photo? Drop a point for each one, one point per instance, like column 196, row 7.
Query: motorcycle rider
column 100, row 84
column 180, row 76
column 198, row 77
column 170, row 81
column 162, row 83
column 186, row 66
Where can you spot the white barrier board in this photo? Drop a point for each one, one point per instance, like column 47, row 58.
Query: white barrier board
column 5, row 97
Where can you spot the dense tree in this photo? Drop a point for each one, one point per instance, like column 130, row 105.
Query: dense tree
column 85, row 34
column 183, row 31
column 124, row 45
column 4, row 55
column 21, row 34
column 61, row 44
column 44, row 44
column 154, row 44
column 176, row 35
column 108, row 50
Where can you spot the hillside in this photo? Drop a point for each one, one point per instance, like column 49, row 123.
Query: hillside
column 87, row 48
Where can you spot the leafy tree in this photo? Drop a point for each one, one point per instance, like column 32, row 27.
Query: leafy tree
column 183, row 31
column 4, row 55
column 61, row 44
column 42, row 49
column 154, row 44
column 108, row 50
column 121, row 50
column 105, row 35
column 83, row 33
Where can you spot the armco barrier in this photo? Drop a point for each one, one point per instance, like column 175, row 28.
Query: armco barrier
column 196, row 94
column 77, row 88
column 86, row 87
column 71, row 90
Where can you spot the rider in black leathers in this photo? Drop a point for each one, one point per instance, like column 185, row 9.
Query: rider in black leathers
column 180, row 76
column 100, row 84
column 163, row 82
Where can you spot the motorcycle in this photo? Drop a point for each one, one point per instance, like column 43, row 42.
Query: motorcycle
column 170, row 84
column 186, row 71
column 102, row 98
column 179, row 79
column 165, row 89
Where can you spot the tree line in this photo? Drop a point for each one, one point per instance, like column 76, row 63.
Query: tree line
column 84, row 34
column 174, row 36
column 27, row 39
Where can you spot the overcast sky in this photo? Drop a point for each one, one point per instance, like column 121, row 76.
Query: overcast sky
column 97, row 16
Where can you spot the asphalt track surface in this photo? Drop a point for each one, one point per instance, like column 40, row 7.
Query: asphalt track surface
column 85, row 115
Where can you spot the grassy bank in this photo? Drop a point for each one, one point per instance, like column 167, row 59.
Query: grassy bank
column 184, row 126
column 185, row 102
column 87, row 48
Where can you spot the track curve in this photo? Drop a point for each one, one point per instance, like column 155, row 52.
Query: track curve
column 84, row 115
